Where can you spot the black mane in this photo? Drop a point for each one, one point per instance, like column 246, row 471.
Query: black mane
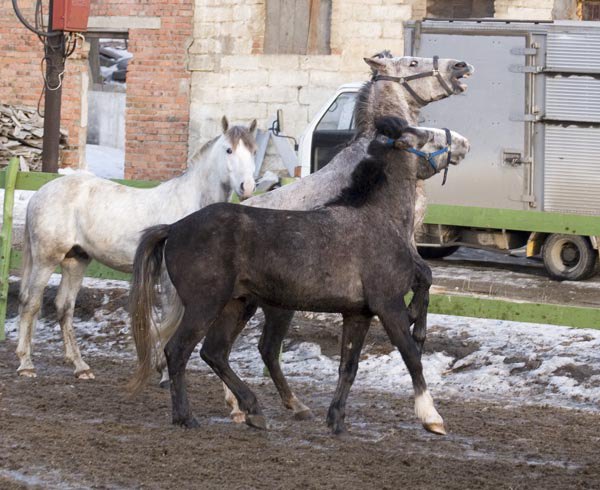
column 367, row 178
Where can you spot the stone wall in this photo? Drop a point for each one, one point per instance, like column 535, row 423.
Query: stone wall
column 232, row 76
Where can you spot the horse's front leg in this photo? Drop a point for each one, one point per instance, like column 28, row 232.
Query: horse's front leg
column 417, row 309
column 73, row 271
column 354, row 331
column 396, row 323
column 30, row 301
column 277, row 322
column 215, row 352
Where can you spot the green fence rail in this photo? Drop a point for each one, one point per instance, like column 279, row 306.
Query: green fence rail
column 461, row 305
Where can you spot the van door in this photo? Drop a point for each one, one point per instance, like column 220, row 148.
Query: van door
column 491, row 114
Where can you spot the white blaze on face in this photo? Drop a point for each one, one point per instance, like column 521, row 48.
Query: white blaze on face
column 241, row 165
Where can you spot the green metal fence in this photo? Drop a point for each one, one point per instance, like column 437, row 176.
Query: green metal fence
column 462, row 305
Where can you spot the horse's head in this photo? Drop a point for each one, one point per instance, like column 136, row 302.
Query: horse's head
column 437, row 148
column 420, row 80
column 238, row 147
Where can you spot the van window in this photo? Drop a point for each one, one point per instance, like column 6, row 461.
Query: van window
column 340, row 114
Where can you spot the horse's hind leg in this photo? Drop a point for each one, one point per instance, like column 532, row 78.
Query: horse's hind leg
column 236, row 414
column 178, row 350
column 353, row 337
column 397, row 325
column 417, row 310
column 215, row 352
column 277, row 322
column 73, row 270
column 30, row 302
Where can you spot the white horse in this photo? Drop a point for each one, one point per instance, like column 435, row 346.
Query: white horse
column 80, row 217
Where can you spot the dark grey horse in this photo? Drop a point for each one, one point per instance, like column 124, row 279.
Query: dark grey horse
column 430, row 80
column 227, row 258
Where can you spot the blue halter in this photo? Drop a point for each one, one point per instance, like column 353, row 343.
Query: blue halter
column 430, row 157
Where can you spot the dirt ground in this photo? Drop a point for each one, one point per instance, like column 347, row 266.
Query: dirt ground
column 59, row 432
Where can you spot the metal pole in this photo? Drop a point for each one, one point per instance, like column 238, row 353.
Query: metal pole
column 55, row 67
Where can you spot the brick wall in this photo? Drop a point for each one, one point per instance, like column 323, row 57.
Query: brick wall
column 21, row 79
column 158, row 83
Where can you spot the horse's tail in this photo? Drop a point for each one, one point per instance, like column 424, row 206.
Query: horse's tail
column 25, row 266
column 142, row 299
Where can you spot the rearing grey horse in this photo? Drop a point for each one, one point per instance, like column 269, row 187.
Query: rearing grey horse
column 383, row 95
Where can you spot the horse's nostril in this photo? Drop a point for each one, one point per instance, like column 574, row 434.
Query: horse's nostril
column 460, row 65
column 242, row 187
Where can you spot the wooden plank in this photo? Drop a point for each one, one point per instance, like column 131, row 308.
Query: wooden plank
column 32, row 181
column 312, row 44
column 6, row 238
column 95, row 269
column 571, row 316
column 273, row 27
column 573, row 224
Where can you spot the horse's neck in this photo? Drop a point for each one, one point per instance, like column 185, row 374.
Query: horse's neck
column 395, row 202
column 201, row 184
column 390, row 106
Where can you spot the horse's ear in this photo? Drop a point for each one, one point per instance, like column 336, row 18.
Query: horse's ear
column 252, row 126
column 224, row 124
column 377, row 64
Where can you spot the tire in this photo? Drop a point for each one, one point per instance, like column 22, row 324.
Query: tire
column 569, row 257
column 436, row 252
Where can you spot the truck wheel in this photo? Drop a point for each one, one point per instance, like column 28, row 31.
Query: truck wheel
column 569, row 257
column 436, row 252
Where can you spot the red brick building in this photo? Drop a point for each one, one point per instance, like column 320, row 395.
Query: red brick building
column 158, row 82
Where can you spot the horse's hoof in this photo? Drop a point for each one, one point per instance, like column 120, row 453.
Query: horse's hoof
column 87, row 374
column 238, row 417
column 189, row 423
column 304, row 415
column 339, row 430
column 165, row 384
column 256, row 421
column 27, row 373
column 435, row 428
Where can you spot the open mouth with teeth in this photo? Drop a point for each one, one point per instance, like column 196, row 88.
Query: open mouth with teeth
column 459, row 86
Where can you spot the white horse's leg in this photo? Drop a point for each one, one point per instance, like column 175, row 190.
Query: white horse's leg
column 73, row 270
column 30, row 302
column 236, row 414
column 171, row 314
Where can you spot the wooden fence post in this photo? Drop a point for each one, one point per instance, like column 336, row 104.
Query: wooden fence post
column 6, row 238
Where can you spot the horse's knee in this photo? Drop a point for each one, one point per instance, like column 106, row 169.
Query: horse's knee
column 211, row 356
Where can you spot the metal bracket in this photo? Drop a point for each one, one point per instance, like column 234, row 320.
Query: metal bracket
column 525, row 69
column 526, row 117
column 514, row 158
column 523, row 51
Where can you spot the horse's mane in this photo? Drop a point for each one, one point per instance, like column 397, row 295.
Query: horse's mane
column 367, row 178
column 361, row 112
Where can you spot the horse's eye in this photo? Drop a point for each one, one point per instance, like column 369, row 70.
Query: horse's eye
column 229, row 150
column 414, row 63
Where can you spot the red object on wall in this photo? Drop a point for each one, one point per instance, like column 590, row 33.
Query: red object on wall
column 70, row 15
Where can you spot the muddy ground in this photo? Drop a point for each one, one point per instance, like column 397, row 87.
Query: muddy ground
column 58, row 432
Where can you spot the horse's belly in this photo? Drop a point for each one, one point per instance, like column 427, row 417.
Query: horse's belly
column 318, row 295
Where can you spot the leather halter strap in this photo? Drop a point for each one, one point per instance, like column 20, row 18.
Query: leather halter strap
column 404, row 81
column 430, row 157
